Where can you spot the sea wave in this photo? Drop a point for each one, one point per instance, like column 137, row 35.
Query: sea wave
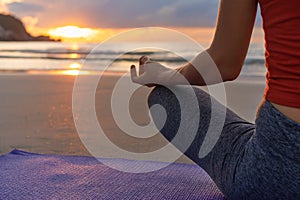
column 106, row 55
column 59, row 56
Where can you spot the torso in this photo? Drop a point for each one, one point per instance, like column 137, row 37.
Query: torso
column 281, row 21
column 290, row 112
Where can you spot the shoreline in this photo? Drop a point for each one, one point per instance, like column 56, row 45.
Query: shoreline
column 36, row 113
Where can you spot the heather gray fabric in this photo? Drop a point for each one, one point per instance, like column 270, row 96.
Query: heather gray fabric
column 249, row 161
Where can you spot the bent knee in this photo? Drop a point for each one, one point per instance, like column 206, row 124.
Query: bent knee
column 165, row 110
column 159, row 95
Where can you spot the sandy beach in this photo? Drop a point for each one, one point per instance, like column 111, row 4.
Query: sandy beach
column 36, row 113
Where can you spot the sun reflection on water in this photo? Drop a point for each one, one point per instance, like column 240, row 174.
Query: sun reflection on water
column 75, row 66
column 74, row 70
column 74, row 55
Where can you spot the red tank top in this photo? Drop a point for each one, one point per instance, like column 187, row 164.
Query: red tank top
column 281, row 23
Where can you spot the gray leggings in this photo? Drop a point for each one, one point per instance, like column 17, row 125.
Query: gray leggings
column 249, row 161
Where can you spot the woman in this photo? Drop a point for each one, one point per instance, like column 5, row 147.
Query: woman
column 249, row 161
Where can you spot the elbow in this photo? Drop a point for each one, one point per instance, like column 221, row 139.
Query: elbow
column 229, row 66
column 230, row 75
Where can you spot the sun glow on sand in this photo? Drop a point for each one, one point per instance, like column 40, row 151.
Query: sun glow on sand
column 72, row 32
column 73, row 72
column 74, row 69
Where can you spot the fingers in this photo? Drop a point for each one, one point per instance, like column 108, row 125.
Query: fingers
column 133, row 74
column 143, row 60
column 134, row 77
column 137, row 79
column 140, row 79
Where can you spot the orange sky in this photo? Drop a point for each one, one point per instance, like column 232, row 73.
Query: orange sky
column 73, row 33
column 98, row 20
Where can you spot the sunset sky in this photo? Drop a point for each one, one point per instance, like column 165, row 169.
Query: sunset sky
column 97, row 20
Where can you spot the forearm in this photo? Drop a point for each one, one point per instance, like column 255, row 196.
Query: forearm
column 203, row 70
column 221, row 62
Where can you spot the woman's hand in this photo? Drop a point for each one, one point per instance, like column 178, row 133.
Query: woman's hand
column 153, row 73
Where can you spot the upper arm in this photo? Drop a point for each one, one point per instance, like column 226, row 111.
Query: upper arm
column 232, row 36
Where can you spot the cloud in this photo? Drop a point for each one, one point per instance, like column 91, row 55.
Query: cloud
column 119, row 13
column 188, row 13
column 4, row 3
column 24, row 8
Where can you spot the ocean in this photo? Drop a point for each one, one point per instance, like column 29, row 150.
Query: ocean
column 49, row 57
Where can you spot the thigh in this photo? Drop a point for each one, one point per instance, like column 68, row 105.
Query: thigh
column 224, row 158
column 270, row 168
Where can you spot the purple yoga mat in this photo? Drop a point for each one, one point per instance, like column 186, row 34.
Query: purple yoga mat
column 26, row 175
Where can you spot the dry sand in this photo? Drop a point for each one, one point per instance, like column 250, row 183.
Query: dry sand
column 36, row 113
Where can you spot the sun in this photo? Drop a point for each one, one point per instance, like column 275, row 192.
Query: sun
column 72, row 32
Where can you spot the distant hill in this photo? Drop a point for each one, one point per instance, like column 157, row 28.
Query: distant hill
column 12, row 29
